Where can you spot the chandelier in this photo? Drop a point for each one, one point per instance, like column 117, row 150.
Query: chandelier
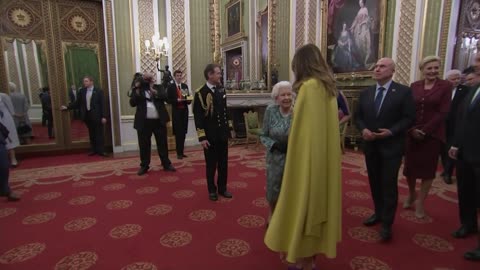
column 157, row 48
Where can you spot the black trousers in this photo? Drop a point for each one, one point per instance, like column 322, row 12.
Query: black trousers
column 447, row 163
column 4, row 171
column 216, row 156
column 153, row 126
column 95, row 132
column 49, row 117
column 468, row 184
column 383, row 177
column 180, row 125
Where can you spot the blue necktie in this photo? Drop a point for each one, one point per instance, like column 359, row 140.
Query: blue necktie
column 378, row 99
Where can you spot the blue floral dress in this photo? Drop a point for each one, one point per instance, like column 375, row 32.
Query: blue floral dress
column 275, row 129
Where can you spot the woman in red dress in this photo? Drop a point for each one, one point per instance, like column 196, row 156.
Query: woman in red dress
column 425, row 139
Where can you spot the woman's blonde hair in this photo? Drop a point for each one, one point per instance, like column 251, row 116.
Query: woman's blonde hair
column 429, row 59
column 308, row 63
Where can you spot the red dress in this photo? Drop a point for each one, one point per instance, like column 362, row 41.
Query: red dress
column 432, row 106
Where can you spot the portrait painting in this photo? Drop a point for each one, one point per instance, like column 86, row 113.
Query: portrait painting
column 234, row 18
column 471, row 15
column 354, row 35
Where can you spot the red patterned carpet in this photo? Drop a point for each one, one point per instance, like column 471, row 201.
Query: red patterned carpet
column 40, row 133
column 97, row 214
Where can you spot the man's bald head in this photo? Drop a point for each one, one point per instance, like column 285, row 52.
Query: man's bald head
column 383, row 71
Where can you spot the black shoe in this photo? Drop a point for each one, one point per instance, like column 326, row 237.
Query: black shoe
column 472, row 255
column 91, row 154
column 170, row 168
column 183, row 155
column 447, row 179
column 226, row 194
column 213, row 196
column 142, row 170
column 463, row 232
column 102, row 154
column 372, row 220
column 179, row 157
column 385, row 234
column 11, row 197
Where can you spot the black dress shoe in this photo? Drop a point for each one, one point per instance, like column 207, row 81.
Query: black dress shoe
column 226, row 194
column 372, row 220
column 183, row 155
column 463, row 232
column 179, row 157
column 213, row 196
column 11, row 197
column 142, row 170
column 472, row 255
column 447, row 179
column 91, row 154
column 170, row 168
column 385, row 234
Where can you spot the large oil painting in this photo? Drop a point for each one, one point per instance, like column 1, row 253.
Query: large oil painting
column 354, row 35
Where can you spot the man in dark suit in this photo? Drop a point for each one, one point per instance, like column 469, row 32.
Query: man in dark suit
column 458, row 93
column 5, row 190
column 210, row 112
column 46, row 101
column 151, row 117
column 91, row 103
column 466, row 149
column 384, row 114
column 178, row 97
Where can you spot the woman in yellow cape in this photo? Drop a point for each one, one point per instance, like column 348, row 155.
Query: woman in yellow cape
column 307, row 219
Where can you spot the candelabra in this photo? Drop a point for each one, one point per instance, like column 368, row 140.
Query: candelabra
column 157, row 47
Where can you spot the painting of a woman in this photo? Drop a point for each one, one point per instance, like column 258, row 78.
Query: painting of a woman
column 362, row 36
column 342, row 54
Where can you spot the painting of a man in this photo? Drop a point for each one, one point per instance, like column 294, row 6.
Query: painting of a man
column 353, row 36
column 233, row 19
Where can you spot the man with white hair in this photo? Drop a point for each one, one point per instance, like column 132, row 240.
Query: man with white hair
column 459, row 91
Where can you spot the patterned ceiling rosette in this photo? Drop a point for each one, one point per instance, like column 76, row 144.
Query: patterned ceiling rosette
column 432, row 242
column 233, row 248
column 22, row 253
column 251, row 221
column 364, row 234
column 80, row 260
column 125, row 231
column 159, row 210
column 176, row 239
column 39, row 218
column 20, row 17
column 140, row 266
column 362, row 263
column 202, row 215
column 78, row 23
column 80, row 224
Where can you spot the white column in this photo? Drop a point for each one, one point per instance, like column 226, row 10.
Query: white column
column 187, row 44
column 452, row 35
column 156, row 28
column 396, row 28
column 17, row 63
column 169, row 32
column 136, row 35
column 27, row 74
column 417, row 39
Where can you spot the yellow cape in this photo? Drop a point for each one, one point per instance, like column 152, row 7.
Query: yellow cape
column 307, row 218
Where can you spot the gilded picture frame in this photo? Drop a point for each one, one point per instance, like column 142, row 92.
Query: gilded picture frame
column 234, row 20
column 353, row 36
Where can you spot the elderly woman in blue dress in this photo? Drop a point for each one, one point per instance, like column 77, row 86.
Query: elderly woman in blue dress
column 276, row 125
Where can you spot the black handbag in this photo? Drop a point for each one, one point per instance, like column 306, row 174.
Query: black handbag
column 23, row 128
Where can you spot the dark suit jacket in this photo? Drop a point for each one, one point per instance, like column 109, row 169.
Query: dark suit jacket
column 396, row 114
column 172, row 96
column 140, row 101
column 453, row 115
column 468, row 129
column 210, row 112
column 97, row 104
column 71, row 96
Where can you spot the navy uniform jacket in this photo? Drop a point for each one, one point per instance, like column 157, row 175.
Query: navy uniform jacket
column 210, row 112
